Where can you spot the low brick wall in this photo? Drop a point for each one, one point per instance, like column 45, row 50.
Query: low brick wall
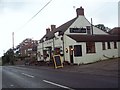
column 19, row 62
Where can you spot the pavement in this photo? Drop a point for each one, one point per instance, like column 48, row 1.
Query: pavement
column 105, row 68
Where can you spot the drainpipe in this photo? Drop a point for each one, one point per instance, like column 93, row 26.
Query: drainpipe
column 43, row 47
column 63, row 48
column 92, row 26
column 53, row 45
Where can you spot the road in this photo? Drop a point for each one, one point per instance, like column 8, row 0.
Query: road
column 24, row 77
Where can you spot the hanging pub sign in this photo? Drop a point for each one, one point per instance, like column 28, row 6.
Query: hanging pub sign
column 57, row 61
column 77, row 30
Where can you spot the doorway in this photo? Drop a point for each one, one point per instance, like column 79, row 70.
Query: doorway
column 71, row 54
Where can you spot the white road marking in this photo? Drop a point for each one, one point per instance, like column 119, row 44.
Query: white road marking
column 57, row 85
column 28, row 75
column 11, row 85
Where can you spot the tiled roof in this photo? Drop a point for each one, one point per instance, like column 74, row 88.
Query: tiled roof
column 61, row 29
column 115, row 31
column 96, row 38
column 65, row 26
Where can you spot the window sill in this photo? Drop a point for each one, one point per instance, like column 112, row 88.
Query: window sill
column 77, row 56
column 91, row 53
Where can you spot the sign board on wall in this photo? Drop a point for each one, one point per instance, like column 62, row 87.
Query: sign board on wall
column 77, row 30
column 57, row 61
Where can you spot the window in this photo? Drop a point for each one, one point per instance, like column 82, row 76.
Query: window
column 57, row 51
column 90, row 47
column 103, row 46
column 77, row 50
column 108, row 43
column 88, row 30
column 115, row 45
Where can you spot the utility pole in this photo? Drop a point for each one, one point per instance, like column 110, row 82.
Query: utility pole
column 92, row 26
column 13, row 48
column 13, row 40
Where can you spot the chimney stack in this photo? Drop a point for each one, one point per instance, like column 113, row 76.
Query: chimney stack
column 53, row 27
column 80, row 11
column 47, row 30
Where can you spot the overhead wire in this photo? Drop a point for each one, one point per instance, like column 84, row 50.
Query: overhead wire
column 33, row 16
column 36, row 14
column 39, row 11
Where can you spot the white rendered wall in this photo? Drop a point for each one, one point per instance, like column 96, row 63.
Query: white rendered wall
column 80, row 22
column 90, row 57
column 99, row 55
column 49, row 43
column 39, row 49
column 68, row 42
column 59, row 43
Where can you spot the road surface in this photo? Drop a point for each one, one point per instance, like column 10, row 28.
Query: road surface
column 24, row 77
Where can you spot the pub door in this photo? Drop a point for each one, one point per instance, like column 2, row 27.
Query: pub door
column 71, row 54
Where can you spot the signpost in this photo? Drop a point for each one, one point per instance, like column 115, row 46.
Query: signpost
column 57, row 61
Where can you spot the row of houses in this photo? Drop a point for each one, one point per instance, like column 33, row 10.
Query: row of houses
column 77, row 41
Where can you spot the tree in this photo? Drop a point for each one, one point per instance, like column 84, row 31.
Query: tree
column 8, row 57
column 102, row 27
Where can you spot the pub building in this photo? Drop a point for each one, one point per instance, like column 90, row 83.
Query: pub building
column 78, row 42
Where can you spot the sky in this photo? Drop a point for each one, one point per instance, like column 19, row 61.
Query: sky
column 119, row 13
column 15, row 14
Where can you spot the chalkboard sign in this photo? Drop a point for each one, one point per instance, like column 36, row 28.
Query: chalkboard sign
column 57, row 61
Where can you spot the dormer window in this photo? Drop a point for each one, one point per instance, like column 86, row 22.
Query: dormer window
column 46, row 38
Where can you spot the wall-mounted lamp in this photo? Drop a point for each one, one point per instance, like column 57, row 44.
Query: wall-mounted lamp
column 72, row 49
column 66, row 50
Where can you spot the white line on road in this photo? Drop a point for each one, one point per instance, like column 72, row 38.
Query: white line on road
column 58, row 85
column 28, row 75
column 11, row 85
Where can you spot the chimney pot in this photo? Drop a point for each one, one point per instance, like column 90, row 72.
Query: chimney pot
column 80, row 11
column 53, row 27
column 47, row 30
